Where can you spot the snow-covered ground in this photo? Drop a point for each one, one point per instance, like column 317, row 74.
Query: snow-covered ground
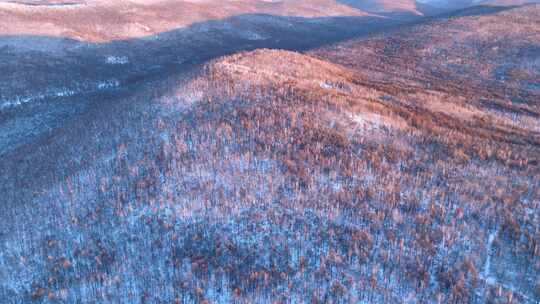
column 79, row 88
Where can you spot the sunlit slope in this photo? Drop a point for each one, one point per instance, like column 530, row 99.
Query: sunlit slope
column 109, row 20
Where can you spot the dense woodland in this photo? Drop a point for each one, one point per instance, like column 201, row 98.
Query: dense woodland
column 391, row 168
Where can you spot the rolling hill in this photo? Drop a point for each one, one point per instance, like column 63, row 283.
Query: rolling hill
column 264, row 158
column 101, row 21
